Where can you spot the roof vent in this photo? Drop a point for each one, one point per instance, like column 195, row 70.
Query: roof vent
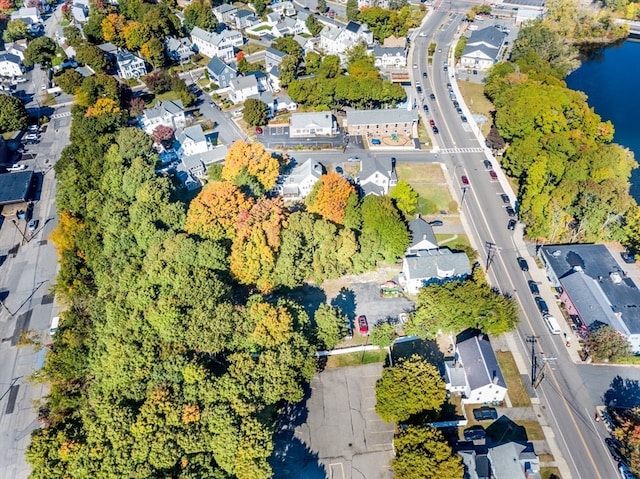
column 615, row 277
column 556, row 253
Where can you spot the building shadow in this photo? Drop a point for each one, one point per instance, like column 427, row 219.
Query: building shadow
column 426, row 349
column 504, row 430
column 622, row 393
column 309, row 297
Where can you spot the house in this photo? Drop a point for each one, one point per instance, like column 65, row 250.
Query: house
column 225, row 13
column 483, row 48
column 321, row 123
column 307, row 44
column 17, row 48
column 422, row 237
column 261, row 79
column 191, row 141
column 289, row 26
column 80, row 12
column 178, row 49
column 390, row 57
column 196, row 164
column 245, row 19
column 110, row 50
column 334, row 40
column 594, row 289
column 299, row 183
column 432, row 266
column 242, row 88
column 273, row 18
column 273, row 57
column 220, row 73
column 273, row 76
column 373, row 3
column 377, row 175
column 10, row 65
column 29, row 15
column 130, row 65
column 266, row 97
column 382, row 122
column 285, row 8
column 168, row 113
column 474, row 372
column 285, row 103
column 219, row 45
column 510, row 460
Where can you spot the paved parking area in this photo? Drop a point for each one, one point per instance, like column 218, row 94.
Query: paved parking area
column 336, row 433
column 367, row 300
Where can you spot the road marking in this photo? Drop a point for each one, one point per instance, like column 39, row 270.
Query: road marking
column 60, row 115
column 333, row 475
column 445, row 151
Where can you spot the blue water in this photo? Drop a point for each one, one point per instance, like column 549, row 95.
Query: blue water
column 610, row 78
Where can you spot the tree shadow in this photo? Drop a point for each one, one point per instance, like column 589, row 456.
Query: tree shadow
column 291, row 458
column 426, row 349
column 309, row 297
column 346, row 302
column 622, row 393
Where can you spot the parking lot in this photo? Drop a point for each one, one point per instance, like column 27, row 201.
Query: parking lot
column 335, row 433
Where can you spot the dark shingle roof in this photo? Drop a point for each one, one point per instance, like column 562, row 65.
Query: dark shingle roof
column 14, row 187
column 421, row 230
column 479, row 362
column 353, row 27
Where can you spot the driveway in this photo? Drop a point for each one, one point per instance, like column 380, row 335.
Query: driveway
column 335, row 433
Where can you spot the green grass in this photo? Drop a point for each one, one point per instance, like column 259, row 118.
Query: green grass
column 356, row 359
column 261, row 28
column 550, row 473
column 516, row 390
column 251, row 48
column 473, row 94
column 429, row 183
column 461, row 242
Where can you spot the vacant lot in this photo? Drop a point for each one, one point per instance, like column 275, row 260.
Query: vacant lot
column 429, row 182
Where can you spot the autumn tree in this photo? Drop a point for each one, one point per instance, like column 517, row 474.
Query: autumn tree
column 249, row 161
column 103, row 106
column 331, row 326
column 112, row 27
column 273, row 324
column 13, row 115
column 162, row 134
column 412, row 386
column 628, row 433
column 158, row 81
column 255, row 112
column 154, row 52
column 214, row 213
column 607, row 344
column 405, row 197
column 329, row 197
column 423, row 453
column 6, row 6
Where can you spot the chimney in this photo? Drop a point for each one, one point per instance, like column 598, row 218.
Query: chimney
column 495, row 379
column 457, row 364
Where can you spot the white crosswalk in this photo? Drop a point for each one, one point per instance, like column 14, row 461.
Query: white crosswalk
column 60, row 115
column 444, row 151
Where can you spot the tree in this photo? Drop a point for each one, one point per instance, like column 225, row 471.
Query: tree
column 331, row 326
column 607, row 344
column 134, row 142
column 382, row 335
column 135, row 34
column 93, row 28
column 214, row 213
column 69, row 81
column 412, row 386
column 158, row 81
column 312, row 62
column 322, row 6
column 112, row 26
column 260, row 7
column 6, row 6
column 13, row 115
column 162, row 134
column 103, row 106
column 329, row 197
column 16, row 30
column 384, row 234
column 288, row 70
column 153, row 50
column 41, row 50
column 423, row 453
column 313, row 25
column 255, row 112
column 405, row 197
column 73, row 36
column 199, row 13
column 253, row 160
column 352, row 10
column 628, row 433
column 92, row 56
column 289, row 46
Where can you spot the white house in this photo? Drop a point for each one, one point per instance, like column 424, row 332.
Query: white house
column 373, row 3
column 178, row 49
column 245, row 18
column 80, row 12
column 29, row 15
column 377, row 176
column 422, row 237
column 17, row 48
column 285, row 103
column 241, row 88
column 191, row 141
column 321, row 123
column 483, row 48
column 511, row 460
column 474, row 372
column 289, row 26
column 10, row 65
column 389, row 57
column 432, row 266
column 297, row 185
column 219, row 45
column 283, row 8
column 168, row 113
column 130, row 65
column 334, row 40
column 225, row 13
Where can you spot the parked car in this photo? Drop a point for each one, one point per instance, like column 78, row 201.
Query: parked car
column 487, row 165
column 511, row 225
column 542, row 305
column 33, row 224
column 436, row 223
column 435, row 130
column 419, row 88
column 353, row 158
column 524, row 266
column 258, row 130
column 485, row 413
column 432, row 123
column 424, row 74
column 463, row 118
column 17, row 167
column 474, row 433
column 432, row 96
column 505, row 198
column 375, row 141
column 533, row 287
column 511, row 211
column 614, row 448
column 425, row 107
column 363, row 326
column 493, row 175
column 628, row 257
column 464, row 180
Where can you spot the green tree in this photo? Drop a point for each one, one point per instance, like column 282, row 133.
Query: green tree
column 92, row 56
column 16, row 30
column 322, row 6
column 73, row 36
column 199, row 13
column 69, row 81
column 412, row 386
column 331, row 326
column 382, row 335
column 260, row 7
column 288, row 70
column 13, row 115
column 93, row 28
column 255, row 112
column 607, row 344
column 289, row 46
column 312, row 62
column 384, row 234
column 423, row 453
column 313, row 25
column 352, row 10
column 405, row 197
column 41, row 51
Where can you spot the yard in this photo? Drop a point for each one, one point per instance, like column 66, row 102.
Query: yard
column 429, row 182
column 517, row 392
column 473, row 94
column 356, row 359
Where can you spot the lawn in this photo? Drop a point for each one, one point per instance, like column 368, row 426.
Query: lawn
column 251, row 48
column 429, row 183
column 473, row 94
column 550, row 473
column 356, row 359
column 453, row 242
column 516, row 390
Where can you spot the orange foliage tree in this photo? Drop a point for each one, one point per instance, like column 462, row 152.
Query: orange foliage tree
column 251, row 158
column 214, row 212
column 254, row 249
column 102, row 107
column 329, row 197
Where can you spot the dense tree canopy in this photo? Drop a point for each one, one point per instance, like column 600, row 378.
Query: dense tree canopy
column 249, row 161
column 255, row 112
column 607, row 344
column 422, row 453
column 13, row 115
column 329, row 197
column 40, row 51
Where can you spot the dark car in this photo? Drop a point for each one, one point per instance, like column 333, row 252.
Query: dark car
column 628, row 257
column 487, row 165
column 435, row 130
column 542, row 305
column 474, row 433
column 485, row 413
column 424, row 74
column 445, row 68
column 33, row 224
column 524, row 266
column 464, row 180
column 511, row 225
column 449, row 86
column 533, row 287
column 463, row 118
column 459, row 111
column 432, row 96
column 493, row 175
column 425, row 107
column 363, row 326
column 614, row 448
column 436, row 223
column 505, row 198
column 510, row 211
column 419, row 88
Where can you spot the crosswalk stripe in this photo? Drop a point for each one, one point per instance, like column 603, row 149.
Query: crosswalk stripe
column 60, row 115
column 461, row 150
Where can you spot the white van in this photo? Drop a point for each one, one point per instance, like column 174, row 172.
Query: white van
column 54, row 325
column 552, row 324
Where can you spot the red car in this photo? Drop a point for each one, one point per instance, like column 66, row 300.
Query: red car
column 493, row 175
column 363, row 326
column 432, row 123
column 258, row 130
column 465, row 180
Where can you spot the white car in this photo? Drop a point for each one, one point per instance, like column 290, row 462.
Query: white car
column 17, row 168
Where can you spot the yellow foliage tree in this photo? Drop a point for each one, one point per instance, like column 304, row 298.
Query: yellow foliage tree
column 254, row 160
column 112, row 27
column 136, row 34
column 274, row 324
column 102, row 107
column 64, row 234
column 329, row 197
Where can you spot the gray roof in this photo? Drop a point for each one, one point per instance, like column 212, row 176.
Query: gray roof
column 244, row 13
column 512, row 459
column 14, row 187
column 369, row 117
column 306, row 169
column 421, row 230
column 440, row 264
column 456, row 376
column 276, row 53
column 225, row 7
column 595, row 261
column 194, row 132
column 479, row 361
column 10, row 57
column 266, row 97
column 109, row 48
column 379, row 51
column 240, row 83
column 353, row 27
column 125, row 57
column 488, row 41
column 526, row 3
column 174, row 43
column 172, row 107
column 371, row 166
column 217, row 66
column 322, row 119
column 330, row 32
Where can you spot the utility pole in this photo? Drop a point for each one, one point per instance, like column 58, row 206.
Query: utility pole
column 532, row 340
column 492, row 250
